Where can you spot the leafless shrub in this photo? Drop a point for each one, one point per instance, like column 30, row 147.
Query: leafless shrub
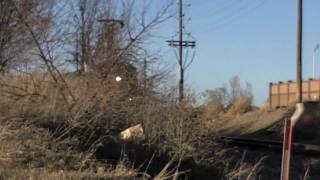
column 241, row 105
column 80, row 111
column 265, row 107
column 233, row 99
column 245, row 171
column 169, row 173
column 120, row 172
column 306, row 174
column 171, row 126
column 225, row 103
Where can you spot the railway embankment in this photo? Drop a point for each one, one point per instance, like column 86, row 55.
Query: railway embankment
column 268, row 125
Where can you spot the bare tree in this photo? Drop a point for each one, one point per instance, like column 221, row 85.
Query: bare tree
column 235, row 89
column 100, row 43
column 83, row 20
column 13, row 39
column 45, row 40
column 235, row 94
column 70, row 31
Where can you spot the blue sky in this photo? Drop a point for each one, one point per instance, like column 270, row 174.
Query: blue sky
column 254, row 39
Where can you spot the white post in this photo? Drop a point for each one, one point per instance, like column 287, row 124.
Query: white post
column 287, row 140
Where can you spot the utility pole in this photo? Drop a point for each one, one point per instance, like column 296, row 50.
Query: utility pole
column 181, row 83
column 145, row 66
column 181, row 44
column 316, row 48
column 299, row 52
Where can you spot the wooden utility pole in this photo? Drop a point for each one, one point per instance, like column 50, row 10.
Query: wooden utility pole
column 181, row 44
column 299, row 52
column 145, row 67
column 181, row 82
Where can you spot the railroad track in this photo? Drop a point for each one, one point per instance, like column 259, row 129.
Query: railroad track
column 270, row 144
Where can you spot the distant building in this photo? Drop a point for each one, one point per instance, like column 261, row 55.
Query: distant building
column 283, row 94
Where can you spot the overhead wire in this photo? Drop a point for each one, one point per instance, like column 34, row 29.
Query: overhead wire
column 217, row 9
column 187, row 61
column 232, row 11
column 227, row 20
column 200, row 4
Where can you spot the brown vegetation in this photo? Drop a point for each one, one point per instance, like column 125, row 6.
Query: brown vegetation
column 62, row 109
column 226, row 103
column 63, row 139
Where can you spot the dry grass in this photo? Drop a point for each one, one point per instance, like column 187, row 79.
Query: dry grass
column 213, row 110
column 240, row 106
column 244, row 170
column 265, row 107
column 56, row 134
column 252, row 121
column 53, row 137
column 26, row 152
column 211, row 118
column 215, row 117
column 172, row 128
column 19, row 174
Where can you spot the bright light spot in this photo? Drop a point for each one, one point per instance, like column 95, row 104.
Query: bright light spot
column 118, row 78
column 130, row 99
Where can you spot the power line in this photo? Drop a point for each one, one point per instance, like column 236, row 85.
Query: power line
column 230, row 13
column 217, row 9
column 222, row 22
column 205, row 3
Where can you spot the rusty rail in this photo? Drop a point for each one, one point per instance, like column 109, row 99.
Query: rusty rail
column 270, row 144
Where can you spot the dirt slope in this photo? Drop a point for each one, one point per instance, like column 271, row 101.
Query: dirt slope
column 252, row 122
column 269, row 125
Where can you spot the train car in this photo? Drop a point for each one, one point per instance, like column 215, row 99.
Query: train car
column 283, row 94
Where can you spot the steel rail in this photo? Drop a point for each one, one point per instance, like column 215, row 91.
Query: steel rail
column 270, row 144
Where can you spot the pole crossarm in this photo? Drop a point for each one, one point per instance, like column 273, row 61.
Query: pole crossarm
column 175, row 43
